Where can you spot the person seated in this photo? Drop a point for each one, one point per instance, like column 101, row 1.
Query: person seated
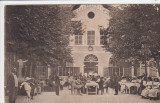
column 133, row 87
column 62, row 82
column 145, row 92
column 153, row 93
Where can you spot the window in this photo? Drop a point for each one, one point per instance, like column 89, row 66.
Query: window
column 101, row 38
column 42, row 72
column 91, row 37
column 78, row 39
column 91, row 15
column 68, row 71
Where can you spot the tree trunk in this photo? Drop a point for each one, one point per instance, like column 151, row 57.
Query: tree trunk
column 158, row 66
column 145, row 62
column 30, row 74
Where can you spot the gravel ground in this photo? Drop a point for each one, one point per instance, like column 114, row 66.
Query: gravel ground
column 66, row 97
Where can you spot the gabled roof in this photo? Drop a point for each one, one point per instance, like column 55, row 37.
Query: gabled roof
column 109, row 7
column 75, row 7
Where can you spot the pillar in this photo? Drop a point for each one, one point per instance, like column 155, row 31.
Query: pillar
column 49, row 72
column 140, row 69
column 123, row 72
column 132, row 71
column 20, row 66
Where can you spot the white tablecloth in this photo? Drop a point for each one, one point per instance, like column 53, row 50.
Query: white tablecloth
column 92, row 83
column 130, row 84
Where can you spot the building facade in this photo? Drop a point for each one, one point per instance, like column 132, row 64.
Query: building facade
column 87, row 52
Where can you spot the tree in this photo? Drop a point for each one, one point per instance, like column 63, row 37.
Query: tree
column 133, row 32
column 39, row 33
column 77, row 28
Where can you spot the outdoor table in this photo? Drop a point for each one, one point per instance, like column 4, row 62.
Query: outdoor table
column 91, row 84
column 130, row 84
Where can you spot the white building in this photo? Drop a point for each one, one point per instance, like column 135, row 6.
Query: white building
column 88, row 54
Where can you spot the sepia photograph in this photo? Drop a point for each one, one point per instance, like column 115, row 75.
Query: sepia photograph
column 82, row 53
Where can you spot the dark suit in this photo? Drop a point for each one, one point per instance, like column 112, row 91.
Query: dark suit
column 101, row 83
column 12, row 89
column 116, row 84
column 57, row 84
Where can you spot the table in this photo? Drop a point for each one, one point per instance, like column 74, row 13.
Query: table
column 130, row 84
column 91, row 84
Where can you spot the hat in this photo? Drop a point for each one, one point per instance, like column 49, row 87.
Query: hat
column 27, row 78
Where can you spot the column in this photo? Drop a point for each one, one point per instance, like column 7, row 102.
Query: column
column 123, row 72
column 58, row 71
column 140, row 69
column 20, row 66
column 132, row 71
column 49, row 72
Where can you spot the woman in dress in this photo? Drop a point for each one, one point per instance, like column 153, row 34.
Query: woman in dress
column 123, row 85
column 27, row 88
column 145, row 92
column 153, row 93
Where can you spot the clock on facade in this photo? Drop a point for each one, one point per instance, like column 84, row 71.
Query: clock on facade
column 90, row 48
column 91, row 15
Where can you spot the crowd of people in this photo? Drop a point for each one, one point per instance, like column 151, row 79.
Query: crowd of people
column 152, row 88
column 77, row 83
column 147, row 87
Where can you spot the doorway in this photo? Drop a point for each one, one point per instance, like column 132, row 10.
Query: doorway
column 91, row 64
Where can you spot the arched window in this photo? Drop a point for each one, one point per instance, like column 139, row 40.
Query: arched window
column 90, row 57
column 90, row 64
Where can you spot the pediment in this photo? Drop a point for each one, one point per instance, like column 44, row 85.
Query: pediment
column 79, row 8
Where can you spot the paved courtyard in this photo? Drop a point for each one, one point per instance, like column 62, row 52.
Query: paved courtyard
column 66, row 97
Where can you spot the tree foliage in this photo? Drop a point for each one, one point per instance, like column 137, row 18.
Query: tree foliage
column 134, row 32
column 77, row 28
column 39, row 32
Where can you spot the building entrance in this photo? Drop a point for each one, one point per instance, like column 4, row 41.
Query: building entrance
column 91, row 64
